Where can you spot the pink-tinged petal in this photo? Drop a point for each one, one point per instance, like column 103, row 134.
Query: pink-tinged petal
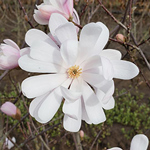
column 39, row 18
column 93, row 38
column 31, row 65
column 139, row 142
column 115, row 148
column 95, row 80
column 55, row 21
column 111, row 54
column 76, row 17
column 124, row 69
column 9, row 109
column 107, row 68
column 92, row 105
column 9, row 50
column 38, row 85
column 70, row 94
column 8, row 62
column 12, row 43
column 45, row 52
column 66, row 32
column 25, row 51
column 47, row 10
column 91, row 62
column 50, row 105
column 69, row 51
column 72, row 108
column 34, row 35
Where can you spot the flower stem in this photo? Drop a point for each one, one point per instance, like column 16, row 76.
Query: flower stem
column 77, row 141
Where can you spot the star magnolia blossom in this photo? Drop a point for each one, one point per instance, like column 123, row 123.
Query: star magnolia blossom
column 63, row 7
column 9, row 54
column 72, row 72
column 139, row 142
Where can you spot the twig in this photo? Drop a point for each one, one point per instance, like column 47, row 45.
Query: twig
column 3, row 75
column 77, row 141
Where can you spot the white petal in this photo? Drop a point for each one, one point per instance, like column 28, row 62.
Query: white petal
column 69, row 51
column 124, row 69
column 71, row 124
column 115, row 148
column 107, row 68
column 69, row 94
column 50, row 105
column 31, row 65
column 66, row 32
column 33, row 35
column 92, row 62
column 45, row 52
column 72, row 108
column 38, row 85
column 93, row 38
column 76, row 17
column 92, row 105
column 35, row 102
column 25, row 51
column 55, row 21
column 95, row 80
column 139, row 142
column 111, row 54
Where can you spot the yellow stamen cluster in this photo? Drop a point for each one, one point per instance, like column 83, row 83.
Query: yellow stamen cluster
column 74, row 72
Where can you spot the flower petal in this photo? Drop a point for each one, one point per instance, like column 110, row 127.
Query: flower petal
column 71, row 108
column 95, row 80
column 66, row 32
column 107, row 68
column 115, row 148
column 124, row 69
column 38, row 85
column 25, row 51
column 111, row 54
column 92, row 105
column 55, row 21
column 11, row 43
column 139, row 142
column 33, row 35
column 69, row 51
column 31, row 65
column 50, row 105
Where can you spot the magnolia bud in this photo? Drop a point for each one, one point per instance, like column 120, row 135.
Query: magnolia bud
column 11, row 110
column 120, row 38
column 81, row 134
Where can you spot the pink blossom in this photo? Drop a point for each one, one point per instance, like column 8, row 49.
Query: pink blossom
column 64, row 7
column 11, row 110
column 9, row 54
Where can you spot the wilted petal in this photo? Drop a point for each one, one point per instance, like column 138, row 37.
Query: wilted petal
column 37, row 85
column 139, row 142
column 124, row 69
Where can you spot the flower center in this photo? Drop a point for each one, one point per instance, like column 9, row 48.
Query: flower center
column 74, row 72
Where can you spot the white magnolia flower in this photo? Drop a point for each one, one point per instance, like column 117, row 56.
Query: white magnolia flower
column 139, row 142
column 72, row 72
column 8, row 143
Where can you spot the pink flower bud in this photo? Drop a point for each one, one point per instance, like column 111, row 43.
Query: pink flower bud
column 11, row 110
column 120, row 38
column 81, row 134
column 9, row 55
column 64, row 7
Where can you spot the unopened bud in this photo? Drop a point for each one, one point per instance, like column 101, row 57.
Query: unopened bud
column 120, row 38
column 11, row 110
column 26, row 18
column 81, row 134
